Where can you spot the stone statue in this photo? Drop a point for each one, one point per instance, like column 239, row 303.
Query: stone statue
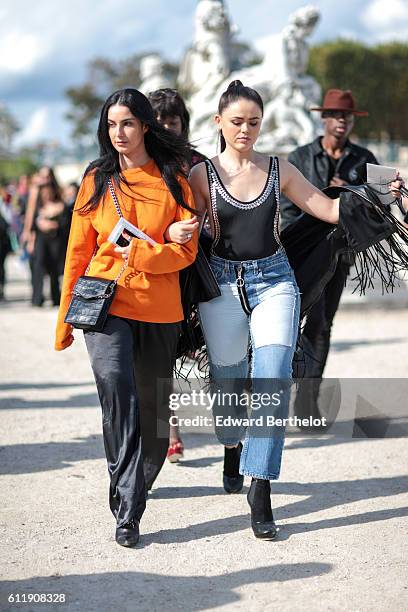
column 205, row 66
column 207, row 62
column 294, row 46
column 153, row 74
column 287, row 120
column 280, row 79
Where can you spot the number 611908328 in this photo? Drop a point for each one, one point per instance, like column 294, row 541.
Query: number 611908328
column 36, row 598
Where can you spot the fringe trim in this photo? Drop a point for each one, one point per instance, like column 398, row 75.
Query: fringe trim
column 192, row 356
column 384, row 259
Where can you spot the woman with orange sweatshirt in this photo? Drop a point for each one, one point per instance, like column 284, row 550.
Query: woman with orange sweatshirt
column 138, row 343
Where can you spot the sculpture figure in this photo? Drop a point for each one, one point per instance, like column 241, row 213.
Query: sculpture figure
column 153, row 74
column 207, row 62
column 280, row 79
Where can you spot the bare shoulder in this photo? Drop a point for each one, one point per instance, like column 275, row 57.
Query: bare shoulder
column 286, row 171
column 199, row 184
column 263, row 161
column 198, row 176
column 198, row 170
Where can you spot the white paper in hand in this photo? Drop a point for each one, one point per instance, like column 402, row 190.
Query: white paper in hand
column 123, row 229
column 380, row 177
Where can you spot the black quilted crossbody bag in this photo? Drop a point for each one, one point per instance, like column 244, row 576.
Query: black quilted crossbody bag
column 92, row 296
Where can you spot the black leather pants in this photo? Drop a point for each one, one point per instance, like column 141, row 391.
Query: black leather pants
column 319, row 320
column 317, row 332
column 128, row 357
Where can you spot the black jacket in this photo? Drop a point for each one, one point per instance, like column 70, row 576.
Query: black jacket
column 315, row 165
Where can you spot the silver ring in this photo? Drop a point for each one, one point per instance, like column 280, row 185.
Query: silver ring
column 189, row 236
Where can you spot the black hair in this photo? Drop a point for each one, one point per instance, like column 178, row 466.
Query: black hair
column 235, row 91
column 53, row 182
column 53, row 185
column 167, row 102
column 169, row 151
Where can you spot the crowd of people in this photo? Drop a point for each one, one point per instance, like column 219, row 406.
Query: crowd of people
column 35, row 218
column 148, row 173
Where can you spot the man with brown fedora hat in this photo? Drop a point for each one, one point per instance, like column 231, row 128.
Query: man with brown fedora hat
column 339, row 100
column 330, row 160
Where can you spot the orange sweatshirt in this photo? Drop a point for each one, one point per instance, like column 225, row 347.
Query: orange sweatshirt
column 149, row 289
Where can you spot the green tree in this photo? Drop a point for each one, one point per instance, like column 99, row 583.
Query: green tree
column 11, row 169
column 394, row 59
column 85, row 103
column 8, row 128
column 378, row 78
column 103, row 77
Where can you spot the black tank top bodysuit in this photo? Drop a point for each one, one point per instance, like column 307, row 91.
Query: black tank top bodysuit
column 245, row 230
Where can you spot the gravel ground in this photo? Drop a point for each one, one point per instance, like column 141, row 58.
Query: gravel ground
column 341, row 502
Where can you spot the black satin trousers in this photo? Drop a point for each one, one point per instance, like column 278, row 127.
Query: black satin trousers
column 132, row 362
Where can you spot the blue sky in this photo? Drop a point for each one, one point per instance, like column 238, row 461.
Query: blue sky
column 45, row 46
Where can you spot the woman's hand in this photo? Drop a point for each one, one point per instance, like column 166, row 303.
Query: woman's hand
column 337, row 182
column 26, row 236
column 30, row 243
column 181, row 231
column 46, row 225
column 396, row 185
column 124, row 251
column 52, row 209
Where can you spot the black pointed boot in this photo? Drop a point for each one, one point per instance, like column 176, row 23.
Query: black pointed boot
column 233, row 481
column 259, row 500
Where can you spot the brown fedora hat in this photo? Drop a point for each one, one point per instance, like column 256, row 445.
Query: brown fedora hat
column 339, row 100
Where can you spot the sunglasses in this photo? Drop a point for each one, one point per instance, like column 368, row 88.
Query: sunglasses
column 337, row 114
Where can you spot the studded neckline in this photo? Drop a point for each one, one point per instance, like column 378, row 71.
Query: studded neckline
column 216, row 186
column 240, row 203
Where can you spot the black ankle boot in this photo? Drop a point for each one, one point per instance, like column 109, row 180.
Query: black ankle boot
column 259, row 499
column 233, row 481
column 128, row 535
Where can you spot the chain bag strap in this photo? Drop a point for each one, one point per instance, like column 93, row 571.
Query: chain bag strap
column 114, row 198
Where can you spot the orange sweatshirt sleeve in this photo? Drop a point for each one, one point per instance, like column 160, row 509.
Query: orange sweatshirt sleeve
column 81, row 246
column 169, row 257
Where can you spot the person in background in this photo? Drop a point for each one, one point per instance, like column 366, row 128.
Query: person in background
column 23, row 188
column 44, row 176
column 27, row 239
column 5, row 242
column 172, row 114
column 69, row 195
column 49, row 229
column 330, row 160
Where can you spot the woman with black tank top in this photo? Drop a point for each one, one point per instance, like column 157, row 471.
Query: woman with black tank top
column 259, row 304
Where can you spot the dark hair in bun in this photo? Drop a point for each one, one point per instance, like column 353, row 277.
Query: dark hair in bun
column 235, row 91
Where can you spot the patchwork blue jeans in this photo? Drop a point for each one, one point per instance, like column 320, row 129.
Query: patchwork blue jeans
column 272, row 299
